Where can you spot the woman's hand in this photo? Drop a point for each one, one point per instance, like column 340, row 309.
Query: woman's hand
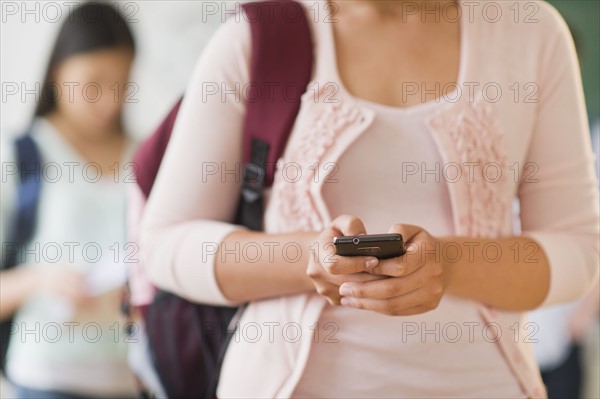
column 328, row 271
column 62, row 282
column 17, row 285
column 417, row 283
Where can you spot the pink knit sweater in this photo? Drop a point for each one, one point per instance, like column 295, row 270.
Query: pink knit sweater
column 529, row 142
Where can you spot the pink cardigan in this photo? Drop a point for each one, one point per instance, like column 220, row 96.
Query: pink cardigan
column 545, row 142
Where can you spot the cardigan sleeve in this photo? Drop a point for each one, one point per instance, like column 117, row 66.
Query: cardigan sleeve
column 559, row 206
column 195, row 195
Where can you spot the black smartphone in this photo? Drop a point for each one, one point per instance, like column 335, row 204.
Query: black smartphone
column 381, row 246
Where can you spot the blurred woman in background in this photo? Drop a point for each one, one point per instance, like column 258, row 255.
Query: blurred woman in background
column 68, row 338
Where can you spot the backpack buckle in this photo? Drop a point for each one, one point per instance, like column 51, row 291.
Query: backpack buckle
column 253, row 178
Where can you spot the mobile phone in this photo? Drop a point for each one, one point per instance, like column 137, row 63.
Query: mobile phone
column 381, row 246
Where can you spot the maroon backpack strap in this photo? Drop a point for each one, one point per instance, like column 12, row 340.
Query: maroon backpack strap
column 280, row 70
column 149, row 155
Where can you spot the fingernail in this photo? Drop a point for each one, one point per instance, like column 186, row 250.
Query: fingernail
column 345, row 290
column 346, row 301
column 371, row 263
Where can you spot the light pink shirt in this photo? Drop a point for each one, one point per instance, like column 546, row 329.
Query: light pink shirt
column 190, row 211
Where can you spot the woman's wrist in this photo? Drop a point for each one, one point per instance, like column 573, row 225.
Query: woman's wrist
column 279, row 267
column 310, row 242
column 17, row 286
column 481, row 269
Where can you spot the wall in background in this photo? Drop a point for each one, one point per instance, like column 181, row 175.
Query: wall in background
column 170, row 36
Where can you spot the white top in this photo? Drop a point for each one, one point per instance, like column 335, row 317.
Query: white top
column 80, row 222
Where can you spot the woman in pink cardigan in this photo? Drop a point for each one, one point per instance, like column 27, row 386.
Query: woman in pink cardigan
column 425, row 123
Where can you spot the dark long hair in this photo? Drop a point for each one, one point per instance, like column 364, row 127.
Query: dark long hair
column 88, row 27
